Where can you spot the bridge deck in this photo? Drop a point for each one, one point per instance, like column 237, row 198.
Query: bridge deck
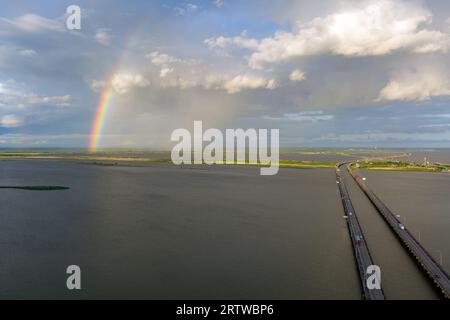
column 425, row 260
column 362, row 254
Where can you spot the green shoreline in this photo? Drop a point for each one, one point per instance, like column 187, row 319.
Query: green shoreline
column 105, row 160
column 112, row 161
column 400, row 166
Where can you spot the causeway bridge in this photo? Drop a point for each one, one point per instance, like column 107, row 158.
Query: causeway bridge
column 439, row 277
column 360, row 248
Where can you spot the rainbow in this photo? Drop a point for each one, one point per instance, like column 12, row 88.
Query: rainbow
column 107, row 96
column 102, row 111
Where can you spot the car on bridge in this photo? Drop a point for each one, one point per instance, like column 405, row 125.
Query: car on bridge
column 359, row 239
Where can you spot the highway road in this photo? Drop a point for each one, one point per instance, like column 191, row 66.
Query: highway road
column 425, row 260
column 360, row 248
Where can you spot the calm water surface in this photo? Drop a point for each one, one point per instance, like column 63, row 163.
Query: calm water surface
column 400, row 275
column 166, row 232
column 423, row 202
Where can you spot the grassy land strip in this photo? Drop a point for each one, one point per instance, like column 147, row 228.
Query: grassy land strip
column 112, row 161
column 401, row 166
column 306, row 164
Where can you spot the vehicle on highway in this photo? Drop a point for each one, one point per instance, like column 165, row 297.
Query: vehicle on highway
column 359, row 239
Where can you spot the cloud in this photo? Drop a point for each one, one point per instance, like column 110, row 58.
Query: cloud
column 388, row 137
column 20, row 106
column 33, row 23
column 438, row 116
column 121, row 83
column 165, row 71
column 11, row 121
column 219, row 3
column 297, row 75
column 103, row 36
column 124, row 82
column 97, row 85
column 42, row 139
column 232, row 84
column 185, row 9
column 177, row 72
column 415, row 86
column 370, row 28
column 161, row 59
column 59, row 101
column 304, row 116
column 27, row 52
column 243, row 82
column 191, row 7
column 436, row 125
column 239, row 41
column 14, row 96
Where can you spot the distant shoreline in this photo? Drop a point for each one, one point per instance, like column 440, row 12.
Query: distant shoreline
column 379, row 161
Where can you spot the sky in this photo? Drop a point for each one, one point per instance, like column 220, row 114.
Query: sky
column 350, row 73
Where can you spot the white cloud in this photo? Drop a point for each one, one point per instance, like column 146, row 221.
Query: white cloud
column 367, row 28
column 297, row 75
column 304, row 116
column 232, row 84
column 436, row 125
column 239, row 41
column 97, row 85
column 191, row 7
column 219, row 3
column 438, row 116
column 13, row 96
column 59, row 101
column 11, row 121
column 179, row 11
column 243, row 82
column 387, row 136
column 40, row 139
column 161, row 59
column 18, row 103
column 165, row 71
column 167, row 62
column 103, row 36
column 177, row 72
column 416, row 86
column 27, row 52
column 185, row 9
column 124, row 82
column 33, row 23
